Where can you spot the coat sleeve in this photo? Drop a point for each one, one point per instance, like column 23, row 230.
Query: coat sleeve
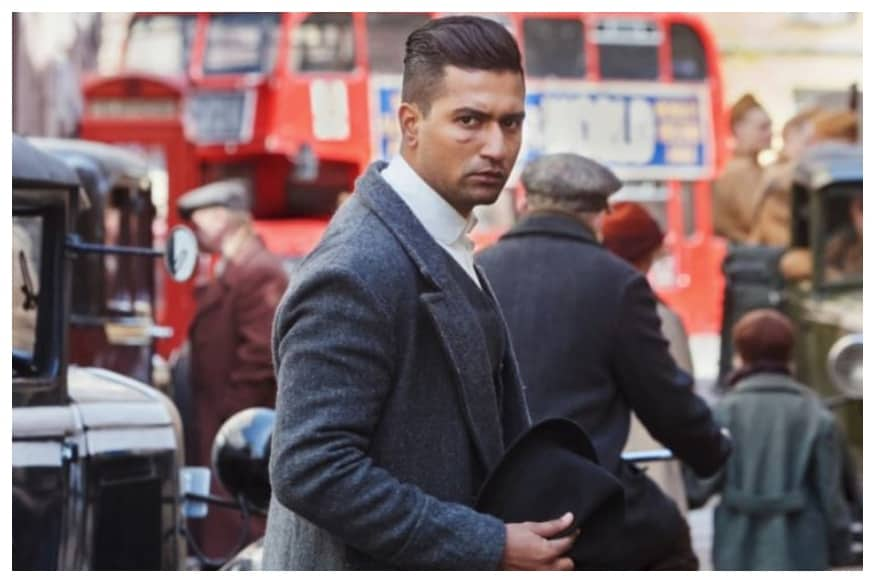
column 658, row 391
column 698, row 489
column 827, row 463
column 254, row 308
column 335, row 358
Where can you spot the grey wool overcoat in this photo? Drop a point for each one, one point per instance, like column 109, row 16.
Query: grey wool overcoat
column 387, row 416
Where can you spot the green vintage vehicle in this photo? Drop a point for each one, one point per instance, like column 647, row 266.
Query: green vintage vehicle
column 823, row 294
column 824, row 291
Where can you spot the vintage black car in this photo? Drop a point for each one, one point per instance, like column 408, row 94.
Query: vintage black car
column 96, row 456
column 112, row 323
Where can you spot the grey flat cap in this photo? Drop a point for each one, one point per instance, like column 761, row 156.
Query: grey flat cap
column 232, row 193
column 572, row 178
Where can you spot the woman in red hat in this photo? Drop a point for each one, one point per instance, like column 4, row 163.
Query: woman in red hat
column 632, row 233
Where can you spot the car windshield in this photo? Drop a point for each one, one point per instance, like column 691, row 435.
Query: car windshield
column 843, row 230
column 160, row 44
column 241, row 43
column 27, row 235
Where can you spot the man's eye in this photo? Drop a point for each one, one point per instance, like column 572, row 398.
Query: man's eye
column 467, row 120
column 512, row 124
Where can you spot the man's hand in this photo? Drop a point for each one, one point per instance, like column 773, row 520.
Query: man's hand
column 529, row 547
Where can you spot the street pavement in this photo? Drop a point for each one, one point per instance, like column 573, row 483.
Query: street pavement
column 706, row 352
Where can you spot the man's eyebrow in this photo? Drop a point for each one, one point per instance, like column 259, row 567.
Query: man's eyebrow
column 470, row 111
column 518, row 116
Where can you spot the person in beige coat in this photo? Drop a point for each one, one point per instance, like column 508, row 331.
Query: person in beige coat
column 735, row 191
column 771, row 219
column 631, row 232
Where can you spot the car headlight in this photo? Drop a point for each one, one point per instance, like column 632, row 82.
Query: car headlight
column 845, row 365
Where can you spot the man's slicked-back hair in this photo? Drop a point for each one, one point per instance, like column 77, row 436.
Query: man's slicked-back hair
column 466, row 42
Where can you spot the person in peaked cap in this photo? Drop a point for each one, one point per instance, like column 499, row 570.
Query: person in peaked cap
column 227, row 360
column 736, row 189
column 587, row 337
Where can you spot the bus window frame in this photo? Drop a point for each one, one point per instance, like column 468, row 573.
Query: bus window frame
column 186, row 65
column 519, row 26
column 200, row 72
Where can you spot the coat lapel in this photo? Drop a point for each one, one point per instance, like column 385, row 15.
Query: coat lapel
column 454, row 319
column 208, row 297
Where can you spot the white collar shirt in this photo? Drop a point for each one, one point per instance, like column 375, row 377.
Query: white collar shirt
column 445, row 225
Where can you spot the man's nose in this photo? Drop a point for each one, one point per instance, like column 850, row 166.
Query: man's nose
column 494, row 143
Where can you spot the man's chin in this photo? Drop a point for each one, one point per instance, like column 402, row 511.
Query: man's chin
column 483, row 195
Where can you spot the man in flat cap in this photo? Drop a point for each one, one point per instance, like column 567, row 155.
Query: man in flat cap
column 229, row 337
column 587, row 335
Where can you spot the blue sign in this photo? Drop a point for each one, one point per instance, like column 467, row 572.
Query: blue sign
column 642, row 131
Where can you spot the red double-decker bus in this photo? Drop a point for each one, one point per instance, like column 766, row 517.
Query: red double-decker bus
column 300, row 103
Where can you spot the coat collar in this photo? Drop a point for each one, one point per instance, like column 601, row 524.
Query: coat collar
column 552, row 224
column 253, row 246
column 454, row 318
column 769, row 383
column 438, row 217
column 430, row 259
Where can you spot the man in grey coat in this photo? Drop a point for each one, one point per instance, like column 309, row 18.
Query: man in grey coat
column 398, row 390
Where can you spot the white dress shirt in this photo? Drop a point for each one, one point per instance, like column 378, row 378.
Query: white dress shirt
column 440, row 219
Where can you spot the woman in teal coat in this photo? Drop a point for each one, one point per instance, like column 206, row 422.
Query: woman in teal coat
column 781, row 504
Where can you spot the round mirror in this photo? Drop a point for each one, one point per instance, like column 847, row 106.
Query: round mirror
column 180, row 255
column 845, row 365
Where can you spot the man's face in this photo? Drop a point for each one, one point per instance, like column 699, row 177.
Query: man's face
column 467, row 144
column 753, row 132
column 211, row 225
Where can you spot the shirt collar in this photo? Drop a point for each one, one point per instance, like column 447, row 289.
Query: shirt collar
column 438, row 217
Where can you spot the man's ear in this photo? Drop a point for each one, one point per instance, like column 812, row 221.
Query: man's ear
column 409, row 118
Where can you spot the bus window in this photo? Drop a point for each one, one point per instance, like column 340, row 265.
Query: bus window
column 628, row 49
column 687, row 54
column 324, row 41
column 554, row 48
column 241, row 43
column 387, row 34
column 160, row 44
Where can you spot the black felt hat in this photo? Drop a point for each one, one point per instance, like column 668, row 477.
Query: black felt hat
column 550, row 470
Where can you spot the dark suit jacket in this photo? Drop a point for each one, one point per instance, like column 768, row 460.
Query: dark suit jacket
column 387, row 420
column 587, row 335
column 231, row 367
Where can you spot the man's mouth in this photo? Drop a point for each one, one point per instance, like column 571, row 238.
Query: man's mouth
column 488, row 177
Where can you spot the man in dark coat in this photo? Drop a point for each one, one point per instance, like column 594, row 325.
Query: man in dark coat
column 229, row 337
column 398, row 389
column 586, row 331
